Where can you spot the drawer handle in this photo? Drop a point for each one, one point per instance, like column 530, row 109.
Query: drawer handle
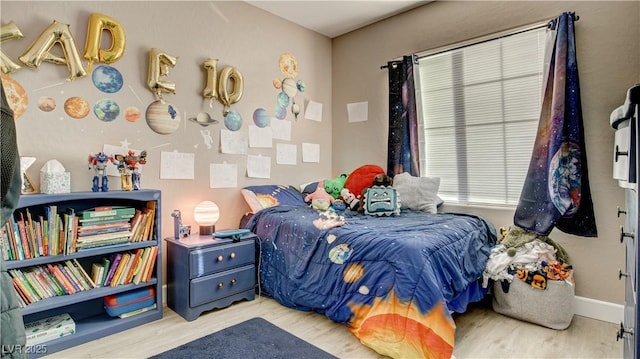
column 624, row 234
column 233, row 281
column 220, row 258
column 232, row 255
column 220, row 285
column 620, row 211
column 620, row 153
column 621, row 274
column 623, row 331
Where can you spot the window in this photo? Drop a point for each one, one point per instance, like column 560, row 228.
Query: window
column 479, row 112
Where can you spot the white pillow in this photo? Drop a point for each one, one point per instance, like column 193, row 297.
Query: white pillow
column 417, row 193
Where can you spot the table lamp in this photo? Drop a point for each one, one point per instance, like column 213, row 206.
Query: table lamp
column 206, row 214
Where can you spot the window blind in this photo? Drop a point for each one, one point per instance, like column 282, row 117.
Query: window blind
column 479, row 109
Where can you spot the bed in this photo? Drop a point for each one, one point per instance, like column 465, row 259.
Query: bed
column 393, row 280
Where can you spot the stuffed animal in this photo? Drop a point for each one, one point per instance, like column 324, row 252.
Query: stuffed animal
column 320, row 197
column 350, row 200
column 334, row 186
column 361, row 178
column 382, row 180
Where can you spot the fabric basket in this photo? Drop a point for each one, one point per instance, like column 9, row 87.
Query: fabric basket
column 552, row 307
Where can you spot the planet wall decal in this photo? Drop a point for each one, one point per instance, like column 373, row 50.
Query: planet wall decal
column 76, row 107
column 16, row 96
column 107, row 79
column 46, row 104
column 261, row 117
column 162, row 117
column 233, row 120
column 106, row 110
column 132, row 114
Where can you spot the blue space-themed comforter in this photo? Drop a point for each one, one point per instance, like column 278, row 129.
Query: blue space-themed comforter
column 392, row 280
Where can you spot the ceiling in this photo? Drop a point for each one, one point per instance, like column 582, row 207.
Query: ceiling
column 334, row 18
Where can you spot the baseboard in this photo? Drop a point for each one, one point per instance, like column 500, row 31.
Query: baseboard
column 597, row 309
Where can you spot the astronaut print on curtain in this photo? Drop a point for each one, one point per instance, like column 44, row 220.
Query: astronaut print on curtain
column 403, row 151
column 556, row 190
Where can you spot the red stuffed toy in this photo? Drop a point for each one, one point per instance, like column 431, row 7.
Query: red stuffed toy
column 362, row 178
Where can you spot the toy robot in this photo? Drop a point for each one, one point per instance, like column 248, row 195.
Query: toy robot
column 98, row 162
column 128, row 168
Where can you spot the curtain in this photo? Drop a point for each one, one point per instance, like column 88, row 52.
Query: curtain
column 403, row 147
column 556, row 191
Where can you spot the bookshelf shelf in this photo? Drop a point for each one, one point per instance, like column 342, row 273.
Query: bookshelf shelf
column 86, row 307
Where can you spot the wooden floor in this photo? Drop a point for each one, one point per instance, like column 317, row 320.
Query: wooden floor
column 481, row 333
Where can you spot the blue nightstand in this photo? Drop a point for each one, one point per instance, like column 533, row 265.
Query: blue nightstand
column 205, row 273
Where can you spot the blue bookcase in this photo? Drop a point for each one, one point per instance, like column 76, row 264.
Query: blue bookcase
column 87, row 307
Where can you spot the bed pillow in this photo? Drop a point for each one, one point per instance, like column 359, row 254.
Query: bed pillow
column 417, row 193
column 260, row 197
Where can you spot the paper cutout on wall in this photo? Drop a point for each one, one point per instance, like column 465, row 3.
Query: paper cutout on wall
column 286, row 154
column 16, row 96
column 313, row 111
column 258, row 166
column 234, row 143
column 176, row 165
column 310, row 152
column 358, row 112
column 281, row 130
column 260, row 137
column 223, row 175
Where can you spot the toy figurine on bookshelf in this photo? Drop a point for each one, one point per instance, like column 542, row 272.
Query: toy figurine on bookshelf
column 128, row 168
column 98, row 162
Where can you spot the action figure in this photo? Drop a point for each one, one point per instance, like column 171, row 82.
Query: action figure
column 98, row 162
column 128, row 168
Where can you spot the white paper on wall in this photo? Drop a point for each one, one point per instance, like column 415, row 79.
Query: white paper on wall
column 233, row 142
column 281, row 129
column 177, row 165
column 310, row 152
column 258, row 166
column 313, row 111
column 358, row 112
column 260, row 137
column 223, row 175
column 286, row 154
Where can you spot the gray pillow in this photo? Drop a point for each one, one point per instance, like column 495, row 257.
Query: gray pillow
column 417, row 193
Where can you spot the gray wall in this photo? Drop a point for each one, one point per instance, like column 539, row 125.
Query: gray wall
column 608, row 46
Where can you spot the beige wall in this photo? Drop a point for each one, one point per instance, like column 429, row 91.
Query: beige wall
column 236, row 33
column 608, row 35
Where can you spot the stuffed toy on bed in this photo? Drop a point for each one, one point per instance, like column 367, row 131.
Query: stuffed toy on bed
column 334, row 186
column 319, row 199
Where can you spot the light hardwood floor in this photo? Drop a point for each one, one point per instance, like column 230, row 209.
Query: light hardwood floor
column 481, row 333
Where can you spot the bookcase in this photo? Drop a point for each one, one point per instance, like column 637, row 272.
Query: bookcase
column 86, row 307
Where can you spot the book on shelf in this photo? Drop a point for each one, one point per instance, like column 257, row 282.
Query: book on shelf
column 25, row 288
column 106, row 263
column 104, row 236
column 137, row 311
column 68, row 289
column 115, row 261
column 118, row 272
column 135, row 266
column 108, row 211
column 68, row 278
column 97, row 271
column 46, row 329
column 151, row 262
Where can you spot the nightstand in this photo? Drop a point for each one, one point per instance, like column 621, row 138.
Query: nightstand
column 204, row 273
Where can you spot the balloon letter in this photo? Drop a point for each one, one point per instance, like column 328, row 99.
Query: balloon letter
column 8, row 32
column 211, row 66
column 159, row 64
column 56, row 33
column 92, row 51
column 227, row 98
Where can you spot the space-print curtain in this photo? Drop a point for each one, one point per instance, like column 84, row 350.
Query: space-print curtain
column 403, row 147
column 556, row 190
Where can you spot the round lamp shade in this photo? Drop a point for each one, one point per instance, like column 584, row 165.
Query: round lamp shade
column 206, row 213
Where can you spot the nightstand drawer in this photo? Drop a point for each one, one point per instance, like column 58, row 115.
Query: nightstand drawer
column 214, row 259
column 219, row 285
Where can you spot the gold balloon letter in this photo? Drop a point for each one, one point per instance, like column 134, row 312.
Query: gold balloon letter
column 210, row 91
column 159, row 64
column 227, row 99
column 92, row 51
column 8, row 32
column 56, row 33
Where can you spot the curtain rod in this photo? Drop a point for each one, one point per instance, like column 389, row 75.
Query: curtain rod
column 499, row 35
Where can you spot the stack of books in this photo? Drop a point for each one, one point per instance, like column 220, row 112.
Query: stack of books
column 125, row 268
column 47, row 329
column 103, row 226
column 54, row 279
